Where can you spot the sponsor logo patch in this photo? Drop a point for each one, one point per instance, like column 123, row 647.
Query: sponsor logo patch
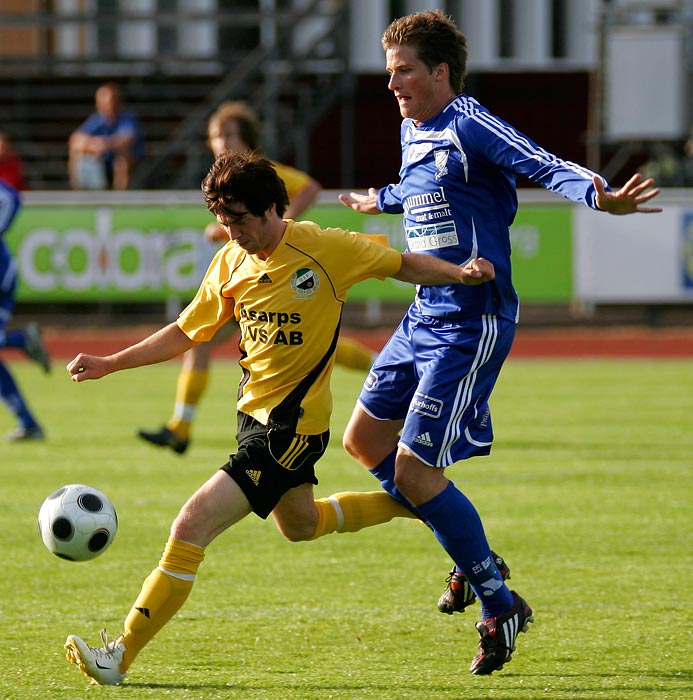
column 371, row 381
column 426, row 405
column 432, row 236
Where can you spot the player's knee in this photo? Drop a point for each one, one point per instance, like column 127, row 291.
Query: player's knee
column 406, row 484
column 355, row 444
column 298, row 531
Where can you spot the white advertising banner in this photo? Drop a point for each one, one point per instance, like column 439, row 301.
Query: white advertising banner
column 640, row 258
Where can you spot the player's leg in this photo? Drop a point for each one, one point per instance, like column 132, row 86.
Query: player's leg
column 352, row 354
column 28, row 427
column 192, row 382
column 10, row 393
column 190, row 388
column 299, row 516
column 217, row 505
column 372, row 433
column 450, row 421
column 28, row 339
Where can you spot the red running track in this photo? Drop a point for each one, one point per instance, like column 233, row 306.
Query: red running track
column 634, row 342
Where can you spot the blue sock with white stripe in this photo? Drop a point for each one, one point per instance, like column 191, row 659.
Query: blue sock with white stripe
column 13, row 399
column 458, row 528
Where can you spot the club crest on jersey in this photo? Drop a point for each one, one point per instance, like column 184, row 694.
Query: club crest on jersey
column 441, row 160
column 305, row 282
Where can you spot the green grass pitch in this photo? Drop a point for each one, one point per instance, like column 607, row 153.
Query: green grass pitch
column 587, row 495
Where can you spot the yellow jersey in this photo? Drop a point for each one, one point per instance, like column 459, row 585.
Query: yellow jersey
column 294, row 180
column 288, row 308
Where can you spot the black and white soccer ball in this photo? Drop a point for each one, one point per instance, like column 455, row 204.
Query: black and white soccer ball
column 77, row 522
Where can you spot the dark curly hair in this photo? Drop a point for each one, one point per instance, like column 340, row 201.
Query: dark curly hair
column 244, row 178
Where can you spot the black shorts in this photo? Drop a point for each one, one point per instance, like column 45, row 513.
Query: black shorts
column 269, row 463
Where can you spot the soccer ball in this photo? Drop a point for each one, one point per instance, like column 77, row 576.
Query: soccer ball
column 77, row 522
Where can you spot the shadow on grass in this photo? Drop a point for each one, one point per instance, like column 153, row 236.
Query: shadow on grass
column 576, row 686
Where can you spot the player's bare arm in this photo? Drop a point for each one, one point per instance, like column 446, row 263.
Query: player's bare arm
column 163, row 345
column 427, row 269
column 363, row 203
column 629, row 199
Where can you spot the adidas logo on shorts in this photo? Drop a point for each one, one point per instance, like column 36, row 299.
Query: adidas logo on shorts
column 424, row 439
column 254, row 475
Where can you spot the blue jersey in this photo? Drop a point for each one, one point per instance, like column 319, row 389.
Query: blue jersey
column 457, row 193
column 10, row 202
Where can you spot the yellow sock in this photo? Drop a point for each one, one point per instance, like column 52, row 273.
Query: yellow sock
column 163, row 592
column 351, row 511
column 190, row 386
column 352, row 354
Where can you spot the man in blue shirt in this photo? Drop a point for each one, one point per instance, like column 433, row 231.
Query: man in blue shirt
column 424, row 405
column 105, row 147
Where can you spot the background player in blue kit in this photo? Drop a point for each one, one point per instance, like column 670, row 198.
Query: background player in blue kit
column 27, row 339
column 424, row 405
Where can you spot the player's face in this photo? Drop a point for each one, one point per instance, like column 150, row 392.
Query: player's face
column 421, row 93
column 226, row 137
column 250, row 232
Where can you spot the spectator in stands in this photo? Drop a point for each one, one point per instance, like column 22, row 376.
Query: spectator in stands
column 235, row 128
column 104, row 149
column 27, row 339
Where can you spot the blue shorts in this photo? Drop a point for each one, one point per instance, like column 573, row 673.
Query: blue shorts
column 437, row 375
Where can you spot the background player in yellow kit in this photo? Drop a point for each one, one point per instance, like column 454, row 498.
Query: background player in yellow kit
column 234, row 127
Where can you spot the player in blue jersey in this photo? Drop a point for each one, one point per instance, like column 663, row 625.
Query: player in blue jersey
column 424, row 405
column 28, row 339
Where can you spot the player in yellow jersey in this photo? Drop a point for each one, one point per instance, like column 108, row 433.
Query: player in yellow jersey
column 285, row 283
column 234, row 127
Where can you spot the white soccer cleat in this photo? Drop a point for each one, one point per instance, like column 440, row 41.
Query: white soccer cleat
column 101, row 665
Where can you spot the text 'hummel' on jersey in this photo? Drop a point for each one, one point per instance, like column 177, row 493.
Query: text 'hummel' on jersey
column 424, row 201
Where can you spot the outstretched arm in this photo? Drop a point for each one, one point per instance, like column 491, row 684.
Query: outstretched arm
column 363, row 203
column 302, row 199
column 166, row 343
column 629, row 199
column 420, row 268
